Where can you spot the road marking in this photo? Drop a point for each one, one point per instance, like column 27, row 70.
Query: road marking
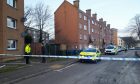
column 118, row 59
column 2, row 66
column 60, row 70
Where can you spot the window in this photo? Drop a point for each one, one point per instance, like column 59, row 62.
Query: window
column 85, row 27
column 80, row 15
column 92, row 21
column 85, row 18
column 11, row 45
column 34, row 32
column 11, row 23
column 12, row 3
column 81, row 36
column 34, row 36
column 80, row 47
column 92, row 30
column 80, row 25
column 85, row 37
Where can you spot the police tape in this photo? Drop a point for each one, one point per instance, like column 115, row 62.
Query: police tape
column 76, row 57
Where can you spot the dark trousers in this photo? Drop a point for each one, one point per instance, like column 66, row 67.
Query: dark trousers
column 43, row 60
column 27, row 58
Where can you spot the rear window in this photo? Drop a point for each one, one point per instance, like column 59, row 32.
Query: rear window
column 89, row 50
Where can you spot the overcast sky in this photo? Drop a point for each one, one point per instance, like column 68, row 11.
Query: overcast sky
column 116, row 12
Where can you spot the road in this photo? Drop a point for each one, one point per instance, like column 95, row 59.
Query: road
column 104, row 72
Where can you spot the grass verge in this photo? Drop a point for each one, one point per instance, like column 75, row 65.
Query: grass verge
column 10, row 68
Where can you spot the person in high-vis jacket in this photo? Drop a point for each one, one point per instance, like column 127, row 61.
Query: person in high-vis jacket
column 27, row 52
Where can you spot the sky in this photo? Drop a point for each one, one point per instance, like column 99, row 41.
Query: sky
column 118, row 13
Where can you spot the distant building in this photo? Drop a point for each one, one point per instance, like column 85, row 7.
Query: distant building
column 35, row 33
column 11, row 26
column 75, row 27
column 121, row 42
column 114, row 36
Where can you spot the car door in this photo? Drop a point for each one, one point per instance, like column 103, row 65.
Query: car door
column 98, row 53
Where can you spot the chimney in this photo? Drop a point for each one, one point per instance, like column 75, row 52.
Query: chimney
column 88, row 11
column 101, row 19
column 94, row 16
column 76, row 3
column 105, row 23
column 108, row 25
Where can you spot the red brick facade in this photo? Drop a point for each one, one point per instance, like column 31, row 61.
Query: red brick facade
column 12, row 12
column 74, row 27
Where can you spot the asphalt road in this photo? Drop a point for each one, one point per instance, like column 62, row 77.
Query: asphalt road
column 104, row 72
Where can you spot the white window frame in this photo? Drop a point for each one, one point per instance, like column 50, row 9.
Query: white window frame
column 10, row 47
column 85, row 17
column 11, row 23
column 12, row 3
column 85, row 27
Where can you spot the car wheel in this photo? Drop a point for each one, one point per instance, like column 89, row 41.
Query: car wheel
column 95, row 61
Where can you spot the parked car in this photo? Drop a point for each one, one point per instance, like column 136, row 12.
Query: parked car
column 119, row 49
column 89, row 52
column 111, row 50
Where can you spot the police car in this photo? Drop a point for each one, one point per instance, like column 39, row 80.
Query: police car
column 111, row 50
column 89, row 53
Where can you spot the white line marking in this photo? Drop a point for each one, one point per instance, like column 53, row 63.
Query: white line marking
column 60, row 70
column 2, row 66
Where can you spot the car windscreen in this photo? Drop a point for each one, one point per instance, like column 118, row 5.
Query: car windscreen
column 89, row 50
column 110, row 47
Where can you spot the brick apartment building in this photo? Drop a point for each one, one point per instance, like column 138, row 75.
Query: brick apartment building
column 74, row 27
column 11, row 26
column 114, row 36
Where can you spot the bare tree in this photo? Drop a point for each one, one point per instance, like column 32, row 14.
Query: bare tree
column 135, row 26
column 41, row 18
column 28, row 16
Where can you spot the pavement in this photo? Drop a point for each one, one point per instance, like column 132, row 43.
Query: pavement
column 30, row 70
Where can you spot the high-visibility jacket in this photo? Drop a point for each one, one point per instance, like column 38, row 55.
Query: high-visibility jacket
column 28, row 49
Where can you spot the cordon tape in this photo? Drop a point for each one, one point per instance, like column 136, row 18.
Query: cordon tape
column 76, row 57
